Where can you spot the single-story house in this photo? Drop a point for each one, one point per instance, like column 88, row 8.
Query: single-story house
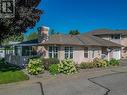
column 80, row 48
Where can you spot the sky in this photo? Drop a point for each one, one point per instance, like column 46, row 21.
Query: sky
column 83, row 15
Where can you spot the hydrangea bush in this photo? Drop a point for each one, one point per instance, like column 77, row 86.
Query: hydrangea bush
column 35, row 66
column 67, row 66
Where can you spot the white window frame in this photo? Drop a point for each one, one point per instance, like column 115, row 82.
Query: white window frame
column 68, row 52
column 93, row 53
column 54, row 51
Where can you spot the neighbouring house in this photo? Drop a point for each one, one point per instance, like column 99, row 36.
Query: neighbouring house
column 80, row 48
column 116, row 36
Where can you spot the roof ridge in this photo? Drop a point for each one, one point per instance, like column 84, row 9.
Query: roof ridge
column 80, row 40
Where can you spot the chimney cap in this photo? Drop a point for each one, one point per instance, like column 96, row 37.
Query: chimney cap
column 45, row 27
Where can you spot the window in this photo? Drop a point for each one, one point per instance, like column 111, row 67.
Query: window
column 28, row 51
column 93, row 53
column 115, row 36
column 1, row 51
column 53, row 51
column 86, row 52
column 68, row 52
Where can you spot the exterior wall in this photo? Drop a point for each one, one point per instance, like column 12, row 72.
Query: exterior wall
column 108, row 37
column 78, row 53
column 124, row 49
column 122, row 41
column 43, row 51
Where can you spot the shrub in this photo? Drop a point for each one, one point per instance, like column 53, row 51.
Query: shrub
column 2, row 61
column 35, row 66
column 114, row 62
column 67, row 66
column 53, row 69
column 100, row 63
column 87, row 65
column 49, row 61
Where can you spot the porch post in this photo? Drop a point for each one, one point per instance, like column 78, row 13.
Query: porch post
column 108, row 56
column 21, row 50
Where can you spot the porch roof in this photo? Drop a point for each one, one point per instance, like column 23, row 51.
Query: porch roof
column 28, row 43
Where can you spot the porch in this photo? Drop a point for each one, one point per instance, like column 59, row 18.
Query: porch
column 21, row 53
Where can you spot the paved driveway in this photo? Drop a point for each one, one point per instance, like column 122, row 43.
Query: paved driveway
column 105, row 82
column 69, row 87
column 116, row 84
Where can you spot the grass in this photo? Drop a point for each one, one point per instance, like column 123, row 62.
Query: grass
column 11, row 73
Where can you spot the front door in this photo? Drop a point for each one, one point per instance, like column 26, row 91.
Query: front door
column 116, row 54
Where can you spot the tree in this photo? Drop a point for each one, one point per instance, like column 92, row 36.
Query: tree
column 26, row 16
column 74, row 32
column 14, row 38
column 52, row 32
column 32, row 36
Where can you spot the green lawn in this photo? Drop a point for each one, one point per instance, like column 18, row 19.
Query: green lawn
column 11, row 73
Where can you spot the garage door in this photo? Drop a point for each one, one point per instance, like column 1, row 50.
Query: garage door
column 116, row 53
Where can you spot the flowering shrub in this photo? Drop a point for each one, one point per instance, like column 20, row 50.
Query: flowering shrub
column 67, row 66
column 35, row 66
column 100, row 63
column 96, row 63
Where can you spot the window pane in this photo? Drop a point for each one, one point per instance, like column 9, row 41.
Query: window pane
column 71, row 49
column 50, row 49
column 93, row 53
column 68, row 52
column 66, row 55
column 50, row 55
column 71, row 55
column 55, row 55
column 115, row 36
column 53, row 51
column 86, row 55
column 86, row 52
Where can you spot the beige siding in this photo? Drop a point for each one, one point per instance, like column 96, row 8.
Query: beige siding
column 124, row 49
column 78, row 53
column 43, row 51
column 124, row 40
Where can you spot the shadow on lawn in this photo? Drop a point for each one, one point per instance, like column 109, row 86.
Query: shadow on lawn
column 9, row 67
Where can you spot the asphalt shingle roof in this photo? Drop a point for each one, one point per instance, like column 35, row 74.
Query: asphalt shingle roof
column 83, row 40
column 96, row 41
column 79, row 40
column 106, row 32
column 35, row 41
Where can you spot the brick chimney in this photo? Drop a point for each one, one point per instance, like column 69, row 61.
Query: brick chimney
column 43, row 34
